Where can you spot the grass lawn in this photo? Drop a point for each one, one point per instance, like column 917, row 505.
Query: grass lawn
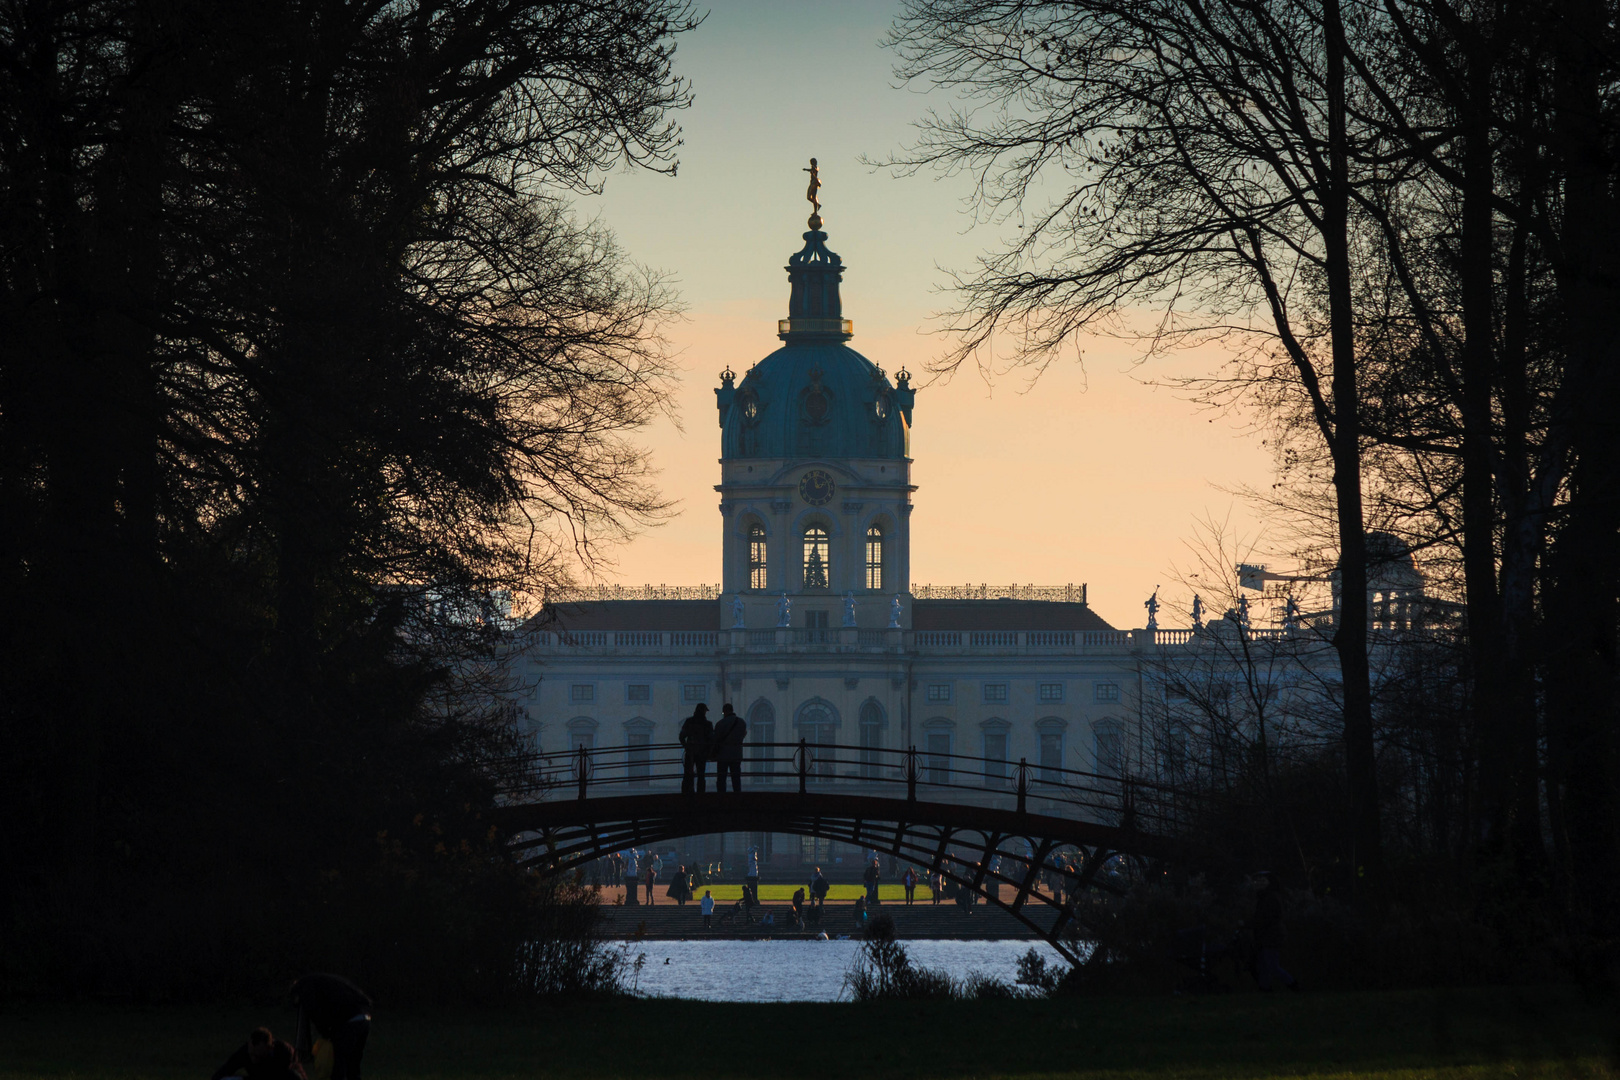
column 782, row 894
column 1410, row 1035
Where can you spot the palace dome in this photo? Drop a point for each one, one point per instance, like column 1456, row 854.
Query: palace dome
column 815, row 397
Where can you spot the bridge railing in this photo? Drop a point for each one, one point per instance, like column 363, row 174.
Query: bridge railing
column 911, row 773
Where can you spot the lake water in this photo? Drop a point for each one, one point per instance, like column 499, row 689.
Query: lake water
column 802, row 970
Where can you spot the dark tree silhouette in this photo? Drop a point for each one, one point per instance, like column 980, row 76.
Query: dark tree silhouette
column 303, row 357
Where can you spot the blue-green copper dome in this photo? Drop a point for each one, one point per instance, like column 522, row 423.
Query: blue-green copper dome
column 815, row 397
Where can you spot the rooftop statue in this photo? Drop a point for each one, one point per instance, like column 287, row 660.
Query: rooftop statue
column 815, row 186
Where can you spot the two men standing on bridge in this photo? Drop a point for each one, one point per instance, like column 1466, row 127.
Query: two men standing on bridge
column 728, row 746
column 696, row 735
column 701, row 741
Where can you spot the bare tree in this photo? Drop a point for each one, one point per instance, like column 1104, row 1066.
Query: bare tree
column 1199, row 159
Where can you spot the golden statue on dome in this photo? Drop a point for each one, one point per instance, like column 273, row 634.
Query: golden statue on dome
column 812, row 193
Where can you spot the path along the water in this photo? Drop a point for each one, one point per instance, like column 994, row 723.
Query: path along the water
column 666, row 920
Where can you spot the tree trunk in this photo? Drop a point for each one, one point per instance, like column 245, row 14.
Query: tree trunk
column 1350, row 635
column 1583, row 654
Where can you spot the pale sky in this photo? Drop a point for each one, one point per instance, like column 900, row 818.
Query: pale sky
column 1089, row 476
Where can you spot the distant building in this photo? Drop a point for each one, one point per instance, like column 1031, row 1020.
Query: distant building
column 816, row 631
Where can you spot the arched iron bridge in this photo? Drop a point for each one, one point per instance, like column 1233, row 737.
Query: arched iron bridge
column 991, row 826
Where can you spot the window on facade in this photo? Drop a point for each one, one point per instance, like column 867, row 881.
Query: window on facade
column 995, row 758
column 761, row 731
column 816, row 631
column 874, row 558
column 816, row 554
column 939, row 757
column 1051, row 756
column 871, row 739
column 638, row 692
column 1110, row 750
column 1106, row 691
column 582, row 736
column 582, row 692
column 756, row 557
column 818, row 727
column 639, row 755
column 995, row 691
column 939, row 691
column 694, row 691
column 1051, row 691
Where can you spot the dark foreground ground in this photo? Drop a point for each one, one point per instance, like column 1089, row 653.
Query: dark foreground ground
column 1543, row 1032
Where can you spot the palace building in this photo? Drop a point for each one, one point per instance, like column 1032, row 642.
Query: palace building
column 817, row 632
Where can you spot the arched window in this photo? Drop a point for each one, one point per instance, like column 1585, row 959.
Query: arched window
column 756, row 556
column 761, row 731
column 871, row 739
column 818, row 726
column 816, row 552
column 581, row 733
column 874, row 558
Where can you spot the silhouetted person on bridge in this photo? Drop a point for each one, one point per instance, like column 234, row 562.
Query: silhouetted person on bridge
column 872, row 876
column 909, row 880
column 728, row 749
column 696, row 735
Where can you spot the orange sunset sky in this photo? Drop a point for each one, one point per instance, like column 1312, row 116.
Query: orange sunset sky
column 1090, row 475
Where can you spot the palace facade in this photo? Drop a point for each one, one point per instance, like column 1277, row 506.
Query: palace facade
column 816, row 631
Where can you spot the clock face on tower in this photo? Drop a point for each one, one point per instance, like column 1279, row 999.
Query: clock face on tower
column 816, row 488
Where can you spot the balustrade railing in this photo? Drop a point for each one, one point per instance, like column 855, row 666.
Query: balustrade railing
column 605, row 772
column 1051, row 639
column 695, row 639
column 1074, row 594
column 764, row 640
column 638, row 639
column 573, row 594
column 939, row 639
column 993, row 639
column 583, row 639
column 1096, row 638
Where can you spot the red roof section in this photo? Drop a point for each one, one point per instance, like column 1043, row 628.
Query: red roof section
column 630, row 615
column 1004, row 615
